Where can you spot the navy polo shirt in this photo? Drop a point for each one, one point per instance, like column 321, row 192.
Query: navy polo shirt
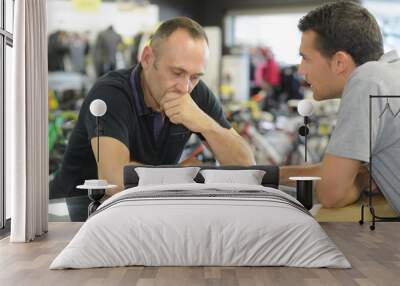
column 155, row 120
column 150, row 137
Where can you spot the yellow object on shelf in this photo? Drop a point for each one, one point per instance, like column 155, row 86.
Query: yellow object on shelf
column 86, row 5
column 52, row 100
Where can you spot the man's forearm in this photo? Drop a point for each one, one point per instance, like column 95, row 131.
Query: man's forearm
column 228, row 147
column 327, row 191
column 116, row 176
column 297, row 171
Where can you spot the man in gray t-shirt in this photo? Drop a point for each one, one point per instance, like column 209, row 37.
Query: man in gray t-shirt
column 342, row 57
column 350, row 138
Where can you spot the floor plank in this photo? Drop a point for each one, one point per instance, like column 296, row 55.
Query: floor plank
column 375, row 257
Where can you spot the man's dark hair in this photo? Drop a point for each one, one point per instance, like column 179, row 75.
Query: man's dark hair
column 168, row 27
column 345, row 26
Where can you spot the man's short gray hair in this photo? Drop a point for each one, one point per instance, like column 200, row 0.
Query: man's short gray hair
column 194, row 29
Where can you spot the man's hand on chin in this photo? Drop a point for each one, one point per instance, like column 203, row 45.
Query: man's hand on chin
column 181, row 109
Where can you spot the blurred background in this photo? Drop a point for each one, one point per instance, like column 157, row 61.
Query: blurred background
column 254, row 57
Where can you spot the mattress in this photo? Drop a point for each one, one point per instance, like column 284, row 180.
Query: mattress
column 201, row 225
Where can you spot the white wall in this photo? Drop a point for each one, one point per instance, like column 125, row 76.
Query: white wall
column 62, row 16
column 211, row 77
column 272, row 27
column 277, row 31
column 387, row 14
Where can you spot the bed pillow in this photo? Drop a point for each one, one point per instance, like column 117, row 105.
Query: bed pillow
column 248, row 177
column 165, row 176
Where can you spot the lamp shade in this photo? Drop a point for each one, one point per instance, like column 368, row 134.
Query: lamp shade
column 98, row 107
column 305, row 107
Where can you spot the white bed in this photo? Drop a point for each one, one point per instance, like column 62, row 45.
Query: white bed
column 203, row 225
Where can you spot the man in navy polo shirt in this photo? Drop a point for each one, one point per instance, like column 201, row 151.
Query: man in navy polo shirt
column 152, row 109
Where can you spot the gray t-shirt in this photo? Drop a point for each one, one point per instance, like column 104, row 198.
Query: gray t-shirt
column 350, row 139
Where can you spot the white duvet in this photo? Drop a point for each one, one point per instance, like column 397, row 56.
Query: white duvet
column 238, row 228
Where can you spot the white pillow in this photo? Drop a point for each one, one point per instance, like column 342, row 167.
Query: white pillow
column 248, row 177
column 164, row 176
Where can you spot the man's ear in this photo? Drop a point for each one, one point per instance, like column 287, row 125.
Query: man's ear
column 342, row 63
column 147, row 57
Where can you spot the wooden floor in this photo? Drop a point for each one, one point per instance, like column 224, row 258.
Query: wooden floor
column 375, row 256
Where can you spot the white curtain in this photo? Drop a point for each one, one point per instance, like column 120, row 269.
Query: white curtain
column 26, row 123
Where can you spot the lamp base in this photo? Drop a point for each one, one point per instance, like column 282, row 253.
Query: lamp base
column 95, row 196
column 304, row 193
column 304, row 190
